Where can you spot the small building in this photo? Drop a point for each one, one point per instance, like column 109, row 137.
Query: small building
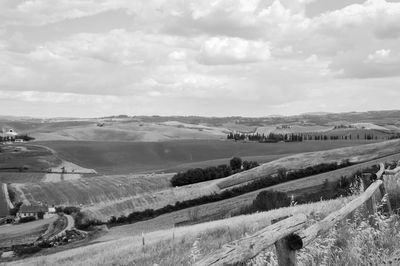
column 9, row 134
column 36, row 211
column 51, row 211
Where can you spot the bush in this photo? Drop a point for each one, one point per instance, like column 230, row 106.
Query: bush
column 27, row 219
column 25, row 249
column 268, row 200
column 236, row 163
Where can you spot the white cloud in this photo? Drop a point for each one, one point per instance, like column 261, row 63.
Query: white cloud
column 228, row 50
column 379, row 56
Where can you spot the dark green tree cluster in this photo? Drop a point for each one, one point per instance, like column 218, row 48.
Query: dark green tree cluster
column 268, row 200
column 197, row 175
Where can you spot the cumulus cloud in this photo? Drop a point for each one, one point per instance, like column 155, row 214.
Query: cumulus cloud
column 184, row 54
column 228, row 50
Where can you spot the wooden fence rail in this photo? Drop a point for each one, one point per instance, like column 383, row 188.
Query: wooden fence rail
column 289, row 234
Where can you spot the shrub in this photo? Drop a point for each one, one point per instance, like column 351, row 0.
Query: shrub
column 268, row 200
column 235, row 163
column 27, row 219
column 25, row 249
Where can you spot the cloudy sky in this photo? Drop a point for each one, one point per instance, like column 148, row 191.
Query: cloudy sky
column 91, row 58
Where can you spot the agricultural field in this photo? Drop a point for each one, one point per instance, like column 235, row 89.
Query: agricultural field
column 130, row 130
column 21, row 177
column 102, row 197
column 113, row 157
column 26, row 157
column 90, row 191
column 295, row 129
column 3, row 202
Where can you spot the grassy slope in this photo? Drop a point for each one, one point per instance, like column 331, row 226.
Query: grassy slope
column 87, row 191
column 131, row 157
column 126, row 250
column 354, row 154
column 128, row 131
column 221, row 209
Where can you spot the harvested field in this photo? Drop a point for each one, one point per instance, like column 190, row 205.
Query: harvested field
column 20, row 177
column 94, row 190
column 132, row 157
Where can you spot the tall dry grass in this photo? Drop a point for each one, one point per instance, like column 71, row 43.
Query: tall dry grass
column 180, row 246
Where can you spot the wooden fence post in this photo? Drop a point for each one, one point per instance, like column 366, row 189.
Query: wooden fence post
column 383, row 190
column 286, row 248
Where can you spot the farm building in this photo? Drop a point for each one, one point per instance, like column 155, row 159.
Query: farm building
column 9, row 134
column 32, row 211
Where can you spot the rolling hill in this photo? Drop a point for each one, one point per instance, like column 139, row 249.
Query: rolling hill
column 102, row 197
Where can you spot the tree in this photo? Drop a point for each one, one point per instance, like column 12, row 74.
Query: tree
column 236, row 163
column 267, row 200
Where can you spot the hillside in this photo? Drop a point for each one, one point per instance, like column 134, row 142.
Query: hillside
column 102, row 197
column 157, row 128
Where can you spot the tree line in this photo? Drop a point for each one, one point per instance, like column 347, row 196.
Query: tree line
column 274, row 137
column 197, row 175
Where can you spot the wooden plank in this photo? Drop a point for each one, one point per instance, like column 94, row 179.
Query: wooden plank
column 247, row 248
column 313, row 231
column 381, row 171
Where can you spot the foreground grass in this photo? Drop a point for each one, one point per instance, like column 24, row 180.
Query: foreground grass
column 180, row 246
column 351, row 242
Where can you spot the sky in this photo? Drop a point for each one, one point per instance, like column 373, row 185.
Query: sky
column 91, row 58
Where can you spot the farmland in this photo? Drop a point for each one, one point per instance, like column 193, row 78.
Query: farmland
column 28, row 157
column 105, row 196
column 133, row 157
